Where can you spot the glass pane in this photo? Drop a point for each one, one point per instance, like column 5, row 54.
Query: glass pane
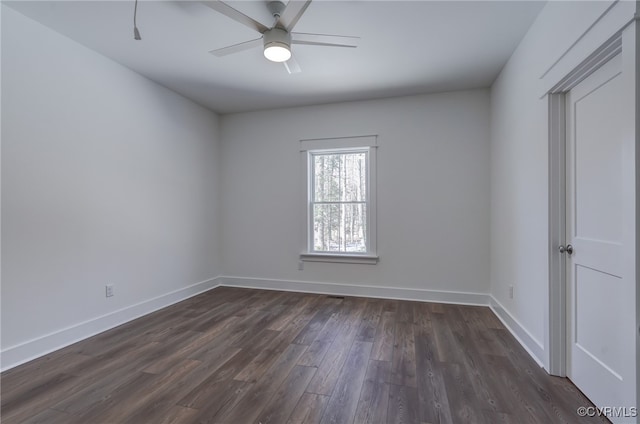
column 340, row 228
column 340, row 177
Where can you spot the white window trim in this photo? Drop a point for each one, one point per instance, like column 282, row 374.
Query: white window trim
column 344, row 258
column 370, row 142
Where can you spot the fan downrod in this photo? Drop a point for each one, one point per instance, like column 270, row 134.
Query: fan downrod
column 276, row 8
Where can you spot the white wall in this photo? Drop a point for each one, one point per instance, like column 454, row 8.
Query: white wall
column 107, row 177
column 519, row 163
column 433, row 191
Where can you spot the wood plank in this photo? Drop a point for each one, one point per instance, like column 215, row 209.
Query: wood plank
column 25, row 377
column 19, row 406
column 105, row 376
column 374, row 397
column 285, row 399
column 48, row 416
column 315, row 354
column 101, row 410
column 215, row 320
column 403, row 362
column 447, row 347
column 462, row 399
column 154, row 405
column 288, row 334
column 246, row 327
column 140, row 331
column 405, row 312
column 370, row 319
column 300, row 306
column 221, row 395
column 389, row 305
column 178, row 415
column 269, row 352
column 183, row 352
column 124, row 408
column 432, row 393
column 437, row 308
column 502, row 418
column 322, row 343
column 257, row 327
column 344, row 399
column 329, row 370
column 309, row 409
column 254, row 370
column 403, row 405
column 384, row 338
column 521, row 404
column 422, row 315
column 259, row 394
column 269, row 300
column 217, row 353
column 489, row 395
column 548, row 399
column 313, row 328
column 201, row 394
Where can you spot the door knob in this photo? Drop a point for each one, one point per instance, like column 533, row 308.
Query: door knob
column 568, row 249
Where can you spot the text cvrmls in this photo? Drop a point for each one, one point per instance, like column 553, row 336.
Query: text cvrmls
column 608, row 411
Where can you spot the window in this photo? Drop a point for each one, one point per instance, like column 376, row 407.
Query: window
column 340, row 202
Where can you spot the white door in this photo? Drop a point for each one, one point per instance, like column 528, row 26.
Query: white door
column 601, row 318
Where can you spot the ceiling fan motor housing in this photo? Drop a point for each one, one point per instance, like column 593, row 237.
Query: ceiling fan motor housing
column 277, row 35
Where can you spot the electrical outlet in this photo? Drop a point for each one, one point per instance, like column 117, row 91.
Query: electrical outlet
column 300, row 265
column 510, row 292
column 108, row 290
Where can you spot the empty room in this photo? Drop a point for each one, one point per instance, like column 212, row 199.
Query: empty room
column 297, row 211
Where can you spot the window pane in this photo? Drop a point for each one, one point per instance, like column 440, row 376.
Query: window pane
column 339, row 228
column 340, row 177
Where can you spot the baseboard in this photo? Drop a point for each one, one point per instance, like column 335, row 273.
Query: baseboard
column 534, row 348
column 459, row 298
column 32, row 349
column 528, row 342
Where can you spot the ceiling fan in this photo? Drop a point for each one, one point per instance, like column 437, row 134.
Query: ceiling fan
column 278, row 38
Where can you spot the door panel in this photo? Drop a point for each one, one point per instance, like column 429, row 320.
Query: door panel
column 597, row 299
column 598, row 160
column 598, row 334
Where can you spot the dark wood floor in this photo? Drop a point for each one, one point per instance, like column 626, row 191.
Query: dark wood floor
column 239, row 356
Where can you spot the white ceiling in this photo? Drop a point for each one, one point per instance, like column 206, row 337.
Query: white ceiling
column 406, row 47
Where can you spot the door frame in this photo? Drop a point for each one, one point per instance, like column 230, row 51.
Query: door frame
column 557, row 320
column 626, row 41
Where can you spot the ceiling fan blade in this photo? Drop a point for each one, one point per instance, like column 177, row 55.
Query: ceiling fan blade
column 237, row 47
column 236, row 15
column 292, row 65
column 292, row 13
column 324, row 40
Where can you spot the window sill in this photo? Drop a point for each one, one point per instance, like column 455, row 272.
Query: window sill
column 339, row 258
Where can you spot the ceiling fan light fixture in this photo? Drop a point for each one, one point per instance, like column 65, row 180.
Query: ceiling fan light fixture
column 277, row 52
column 277, row 45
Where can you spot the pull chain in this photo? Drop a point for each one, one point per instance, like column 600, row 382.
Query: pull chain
column 136, row 33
